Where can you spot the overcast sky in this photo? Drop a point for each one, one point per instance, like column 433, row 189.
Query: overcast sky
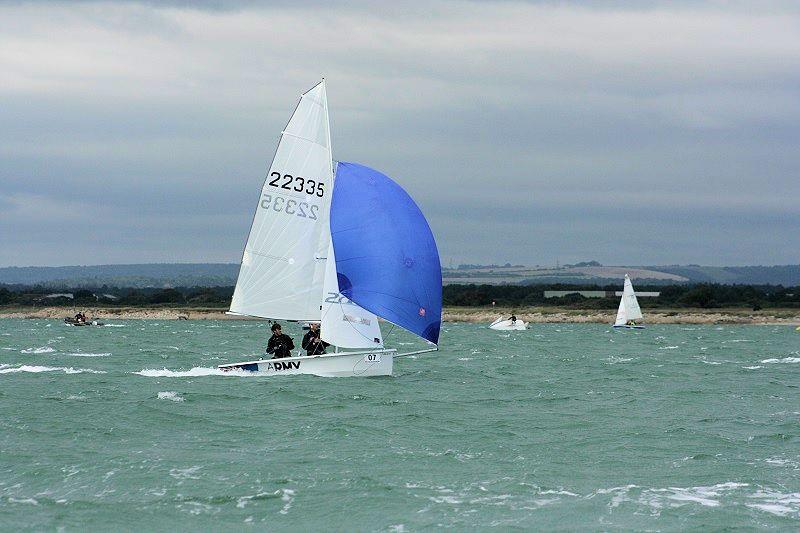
column 631, row 132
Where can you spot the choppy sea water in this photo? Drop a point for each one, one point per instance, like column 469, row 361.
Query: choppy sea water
column 565, row 427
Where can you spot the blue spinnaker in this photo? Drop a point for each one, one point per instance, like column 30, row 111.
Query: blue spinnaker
column 386, row 257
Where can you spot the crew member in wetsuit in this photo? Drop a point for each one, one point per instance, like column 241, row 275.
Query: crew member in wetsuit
column 312, row 344
column 513, row 319
column 279, row 345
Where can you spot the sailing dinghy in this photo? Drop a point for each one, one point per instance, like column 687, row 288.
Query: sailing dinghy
column 506, row 324
column 339, row 244
column 629, row 311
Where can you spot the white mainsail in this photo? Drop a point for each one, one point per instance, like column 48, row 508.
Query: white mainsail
column 621, row 320
column 632, row 309
column 344, row 323
column 628, row 305
column 283, row 267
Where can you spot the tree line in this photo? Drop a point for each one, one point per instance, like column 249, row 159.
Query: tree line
column 126, row 297
column 704, row 295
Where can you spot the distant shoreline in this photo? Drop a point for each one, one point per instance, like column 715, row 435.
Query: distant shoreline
column 535, row 315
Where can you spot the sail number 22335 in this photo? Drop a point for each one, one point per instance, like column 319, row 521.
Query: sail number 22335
column 279, row 204
column 296, row 184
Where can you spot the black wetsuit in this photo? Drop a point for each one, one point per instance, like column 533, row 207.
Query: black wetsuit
column 280, row 346
column 313, row 348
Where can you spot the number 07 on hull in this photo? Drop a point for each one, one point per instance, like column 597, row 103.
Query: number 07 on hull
column 339, row 244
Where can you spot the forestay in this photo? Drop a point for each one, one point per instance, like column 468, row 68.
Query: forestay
column 283, row 265
column 386, row 257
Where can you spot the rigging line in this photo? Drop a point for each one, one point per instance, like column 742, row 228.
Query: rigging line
column 312, row 141
column 390, row 331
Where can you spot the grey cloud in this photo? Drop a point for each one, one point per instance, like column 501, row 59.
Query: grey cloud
column 526, row 131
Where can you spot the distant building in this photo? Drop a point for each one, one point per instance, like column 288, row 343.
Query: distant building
column 598, row 294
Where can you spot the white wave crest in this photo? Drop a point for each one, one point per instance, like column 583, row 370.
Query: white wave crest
column 42, row 349
column 777, row 503
column 79, row 354
column 170, row 395
column 660, row 498
column 784, row 360
column 37, row 369
column 197, row 371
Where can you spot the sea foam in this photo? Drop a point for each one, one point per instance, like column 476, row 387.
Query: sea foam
column 170, row 395
column 784, row 360
column 37, row 369
column 197, row 371
column 42, row 349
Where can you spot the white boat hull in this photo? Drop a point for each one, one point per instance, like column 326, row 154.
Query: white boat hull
column 507, row 325
column 344, row 364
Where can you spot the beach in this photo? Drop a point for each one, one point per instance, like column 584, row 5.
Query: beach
column 535, row 315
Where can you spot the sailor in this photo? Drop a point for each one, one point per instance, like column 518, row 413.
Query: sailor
column 279, row 345
column 312, row 344
column 513, row 319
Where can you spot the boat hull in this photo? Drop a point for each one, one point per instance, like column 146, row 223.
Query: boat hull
column 624, row 326
column 506, row 325
column 346, row 364
column 73, row 322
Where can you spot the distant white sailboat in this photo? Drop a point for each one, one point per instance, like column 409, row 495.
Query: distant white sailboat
column 629, row 311
column 338, row 244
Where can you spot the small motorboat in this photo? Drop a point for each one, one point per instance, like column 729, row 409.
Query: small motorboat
column 72, row 321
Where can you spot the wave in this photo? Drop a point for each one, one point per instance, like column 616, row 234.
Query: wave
column 80, row 354
column 777, row 503
column 197, row 371
column 42, row 349
column 37, row 369
column 170, row 395
column 784, row 360
column 658, row 498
